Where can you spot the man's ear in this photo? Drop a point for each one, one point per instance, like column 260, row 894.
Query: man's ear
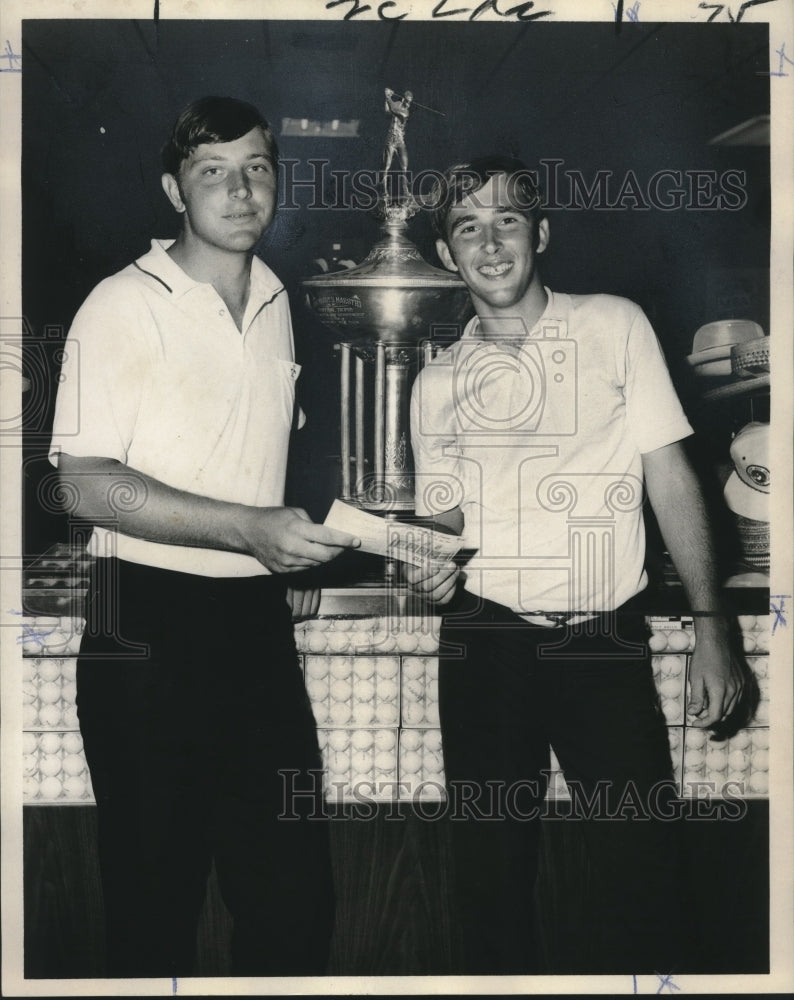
column 171, row 188
column 446, row 257
column 542, row 235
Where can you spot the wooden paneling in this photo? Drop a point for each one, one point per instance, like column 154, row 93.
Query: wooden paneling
column 394, row 915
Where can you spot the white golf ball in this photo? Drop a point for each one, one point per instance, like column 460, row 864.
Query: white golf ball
column 678, row 640
column 410, row 740
column 413, row 713
column 69, row 672
column 433, row 739
column 31, row 786
column 363, row 690
column 411, row 761
column 338, row 642
column 50, row 764
column 759, row 666
column 657, row 642
column 341, row 690
column 49, row 693
column 363, row 713
column 760, row 760
column 413, row 668
column 341, row 667
column 362, row 739
column 737, row 760
column 50, row 716
column 29, row 716
column 29, row 672
column 385, row 761
column 428, row 643
column 695, row 739
column 316, row 689
column 339, row 713
column 50, row 742
column 73, row 764
column 339, row 739
column 385, row 739
column 29, row 743
column 760, row 739
column 362, row 762
column 74, row 787
column 759, row 782
column 316, row 667
column 740, row 740
column 69, row 692
column 51, row 788
column 387, row 689
column 388, row 667
column 49, row 668
column 316, row 642
column 364, row 667
column 407, row 642
column 387, row 713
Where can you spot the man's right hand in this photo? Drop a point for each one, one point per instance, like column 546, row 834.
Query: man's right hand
column 285, row 539
column 434, row 581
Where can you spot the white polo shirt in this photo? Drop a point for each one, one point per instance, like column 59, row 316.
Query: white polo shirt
column 163, row 381
column 541, row 445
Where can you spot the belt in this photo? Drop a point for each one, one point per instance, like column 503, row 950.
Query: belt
column 556, row 619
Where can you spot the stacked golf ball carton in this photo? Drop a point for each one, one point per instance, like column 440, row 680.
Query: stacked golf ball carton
column 373, row 685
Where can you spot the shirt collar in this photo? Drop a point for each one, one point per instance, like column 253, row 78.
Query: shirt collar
column 554, row 304
column 157, row 262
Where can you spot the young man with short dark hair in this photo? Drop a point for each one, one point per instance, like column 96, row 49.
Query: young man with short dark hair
column 192, row 707
column 544, row 424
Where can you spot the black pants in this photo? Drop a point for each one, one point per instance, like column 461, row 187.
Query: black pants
column 197, row 728
column 505, row 695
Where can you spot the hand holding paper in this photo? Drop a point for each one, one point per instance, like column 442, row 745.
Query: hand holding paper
column 410, row 543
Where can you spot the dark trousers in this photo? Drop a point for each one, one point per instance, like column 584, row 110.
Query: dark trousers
column 197, row 729
column 506, row 695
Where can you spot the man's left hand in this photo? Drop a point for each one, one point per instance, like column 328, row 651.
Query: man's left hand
column 716, row 681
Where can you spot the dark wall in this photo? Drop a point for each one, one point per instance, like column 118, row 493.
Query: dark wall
column 99, row 98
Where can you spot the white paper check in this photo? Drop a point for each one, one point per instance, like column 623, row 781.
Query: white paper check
column 410, row 543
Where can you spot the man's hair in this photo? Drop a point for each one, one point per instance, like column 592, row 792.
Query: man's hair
column 213, row 119
column 463, row 179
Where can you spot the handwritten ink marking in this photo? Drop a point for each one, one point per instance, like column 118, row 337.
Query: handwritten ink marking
column 633, row 12
column 718, row 8
column 783, row 58
column 396, row 17
column 666, row 982
column 357, row 7
column 173, row 986
column 778, row 610
column 13, row 58
column 438, row 12
column 634, row 980
column 520, row 11
column 31, row 633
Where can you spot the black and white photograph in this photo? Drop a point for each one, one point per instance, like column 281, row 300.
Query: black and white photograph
column 396, row 595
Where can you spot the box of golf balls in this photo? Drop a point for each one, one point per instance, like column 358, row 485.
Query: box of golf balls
column 373, row 685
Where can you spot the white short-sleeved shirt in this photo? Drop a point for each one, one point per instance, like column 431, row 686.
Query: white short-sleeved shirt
column 163, row 381
column 541, row 447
